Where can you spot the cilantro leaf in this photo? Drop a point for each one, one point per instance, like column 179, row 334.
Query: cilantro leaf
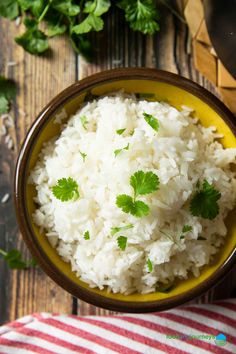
column 55, row 25
column 142, row 15
column 33, row 40
column 7, row 93
column 204, row 202
column 84, row 121
column 66, row 7
column 4, row 105
column 97, row 7
column 83, row 155
column 118, row 151
column 186, row 228
column 15, row 261
column 9, row 9
column 122, row 242
column 91, row 22
column 120, row 131
column 152, row 121
column 36, row 6
column 144, row 183
column 149, row 265
column 115, row 230
column 66, row 189
column 136, row 208
column 87, row 235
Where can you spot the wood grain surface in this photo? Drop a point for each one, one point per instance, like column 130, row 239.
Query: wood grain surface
column 41, row 78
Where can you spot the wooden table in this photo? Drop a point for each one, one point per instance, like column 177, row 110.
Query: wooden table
column 41, row 78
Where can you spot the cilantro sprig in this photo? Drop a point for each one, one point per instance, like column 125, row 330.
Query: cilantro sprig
column 149, row 265
column 142, row 183
column 204, row 202
column 66, row 189
column 87, row 235
column 7, row 93
column 76, row 19
column 120, row 131
column 15, row 260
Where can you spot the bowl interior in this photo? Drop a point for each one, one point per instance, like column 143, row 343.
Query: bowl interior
column 162, row 91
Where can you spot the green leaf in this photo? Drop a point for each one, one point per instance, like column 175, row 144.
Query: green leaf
column 66, row 189
column 4, row 105
column 200, row 238
column 66, row 7
column 136, row 208
column 152, row 121
column 118, row 151
column 186, row 228
column 33, row 40
column 122, row 242
column 7, row 93
column 83, row 155
column 81, row 45
column 149, row 265
column 120, row 131
column 86, row 235
column 84, row 121
column 55, row 25
column 142, row 15
column 97, row 7
column 91, row 22
column 35, row 6
column 144, row 183
column 15, row 261
column 9, row 9
column 204, row 202
column 115, row 230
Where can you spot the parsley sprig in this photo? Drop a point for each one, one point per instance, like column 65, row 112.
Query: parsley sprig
column 15, row 260
column 142, row 183
column 204, row 202
column 66, row 189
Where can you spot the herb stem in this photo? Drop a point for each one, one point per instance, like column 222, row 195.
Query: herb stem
column 44, row 11
column 174, row 12
column 3, row 253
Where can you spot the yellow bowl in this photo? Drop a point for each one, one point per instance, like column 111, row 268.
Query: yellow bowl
column 167, row 87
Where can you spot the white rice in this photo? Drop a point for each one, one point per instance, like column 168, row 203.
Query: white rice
column 180, row 153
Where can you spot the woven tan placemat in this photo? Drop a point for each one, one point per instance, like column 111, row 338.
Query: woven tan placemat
column 205, row 58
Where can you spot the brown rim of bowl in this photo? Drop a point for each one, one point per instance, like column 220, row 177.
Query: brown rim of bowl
column 21, row 178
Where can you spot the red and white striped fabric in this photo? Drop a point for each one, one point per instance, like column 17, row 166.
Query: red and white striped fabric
column 129, row 334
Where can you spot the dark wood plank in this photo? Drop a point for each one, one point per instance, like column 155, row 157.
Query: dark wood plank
column 39, row 79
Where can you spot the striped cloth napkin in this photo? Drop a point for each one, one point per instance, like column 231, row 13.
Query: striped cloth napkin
column 194, row 329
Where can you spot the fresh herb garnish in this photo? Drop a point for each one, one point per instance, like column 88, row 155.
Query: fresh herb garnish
column 201, row 238
column 204, row 202
column 83, row 155
column 87, row 235
column 66, row 189
column 15, row 260
column 7, row 93
column 120, row 131
column 170, row 237
column 118, row 151
column 115, row 230
column 152, row 121
column 84, row 121
column 33, row 40
column 186, row 228
column 142, row 183
column 122, row 242
column 149, row 265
